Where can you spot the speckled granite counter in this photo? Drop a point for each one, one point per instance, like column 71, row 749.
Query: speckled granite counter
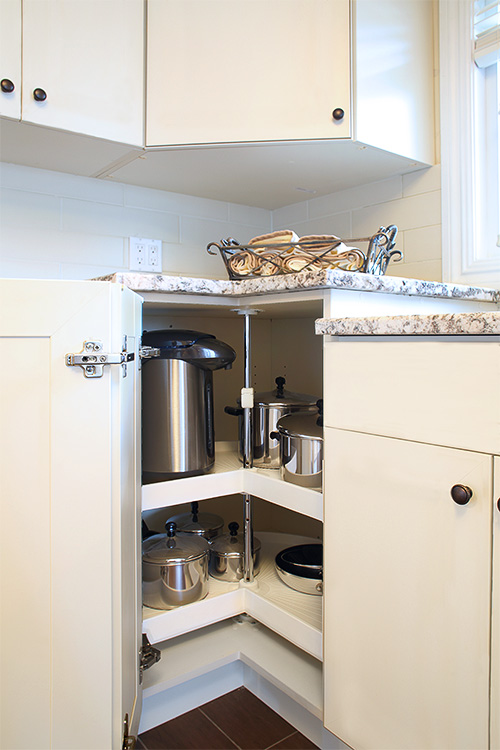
column 458, row 324
column 324, row 279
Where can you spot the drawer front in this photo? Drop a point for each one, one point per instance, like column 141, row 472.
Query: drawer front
column 432, row 390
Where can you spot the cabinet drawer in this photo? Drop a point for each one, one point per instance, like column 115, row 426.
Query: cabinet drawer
column 433, row 390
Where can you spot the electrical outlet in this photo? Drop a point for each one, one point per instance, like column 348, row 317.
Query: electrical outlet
column 145, row 254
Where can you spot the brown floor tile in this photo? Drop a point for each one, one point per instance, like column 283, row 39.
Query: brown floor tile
column 247, row 720
column 295, row 741
column 191, row 731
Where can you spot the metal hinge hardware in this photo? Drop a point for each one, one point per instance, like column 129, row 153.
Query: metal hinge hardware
column 148, row 352
column 149, row 655
column 92, row 358
column 129, row 741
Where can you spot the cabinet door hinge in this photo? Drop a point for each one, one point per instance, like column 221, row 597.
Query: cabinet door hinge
column 129, row 741
column 149, row 655
column 92, row 358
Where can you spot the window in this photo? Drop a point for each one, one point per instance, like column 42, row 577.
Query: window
column 470, row 80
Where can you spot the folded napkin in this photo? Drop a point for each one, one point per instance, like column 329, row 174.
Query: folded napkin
column 318, row 243
column 281, row 237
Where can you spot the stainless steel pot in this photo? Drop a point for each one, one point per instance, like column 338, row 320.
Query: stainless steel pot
column 174, row 569
column 226, row 561
column 268, row 408
column 301, row 448
column 177, row 402
column 207, row 525
column 301, row 568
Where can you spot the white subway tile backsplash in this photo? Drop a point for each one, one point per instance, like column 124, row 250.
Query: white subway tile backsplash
column 28, row 269
column 250, row 216
column 422, row 181
column 407, row 213
column 288, row 216
column 60, row 184
column 120, row 221
column 55, row 225
column 175, row 203
column 358, row 197
column 19, row 208
column 422, row 244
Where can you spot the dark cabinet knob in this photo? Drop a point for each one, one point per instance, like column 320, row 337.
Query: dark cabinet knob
column 39, row 95
column 338, row 114
column 461, row 494
column 498, row 503
column 7, row 86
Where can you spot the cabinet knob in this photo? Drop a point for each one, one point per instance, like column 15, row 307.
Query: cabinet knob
column 39, row 95
column 498, row 503
column 7, row 86
column 461, row 494
column 338, row 114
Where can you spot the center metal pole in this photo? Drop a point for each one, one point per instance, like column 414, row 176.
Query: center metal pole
column 247, row 448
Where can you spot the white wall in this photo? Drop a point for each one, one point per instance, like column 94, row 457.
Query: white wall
column 56, row 225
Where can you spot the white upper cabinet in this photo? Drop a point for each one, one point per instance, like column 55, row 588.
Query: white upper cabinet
column 236, row 71
column 10, row 58
column 247, row 70
column 82, row 65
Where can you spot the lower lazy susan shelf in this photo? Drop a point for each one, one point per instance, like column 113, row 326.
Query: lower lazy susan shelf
column 295, row 616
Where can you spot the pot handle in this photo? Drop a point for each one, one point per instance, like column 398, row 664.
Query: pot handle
column 274, row 435
column 234, row 411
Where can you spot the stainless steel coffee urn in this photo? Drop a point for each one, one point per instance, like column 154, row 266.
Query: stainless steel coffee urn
column 177, row 402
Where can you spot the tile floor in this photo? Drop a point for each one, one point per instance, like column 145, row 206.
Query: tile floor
column 235, row 720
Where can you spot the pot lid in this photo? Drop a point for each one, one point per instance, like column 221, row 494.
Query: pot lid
column 169, row 548
column 304, row 560
column 232, row 544
column 197, row 523
column 281, row 397
column 301, row 424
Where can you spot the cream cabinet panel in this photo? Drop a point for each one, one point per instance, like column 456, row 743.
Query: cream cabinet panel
column 247, row 70
column 87, row 57
column 407, row 594
column 10, row 58
column 440, row 390
column 70, row 521
column 495, row 622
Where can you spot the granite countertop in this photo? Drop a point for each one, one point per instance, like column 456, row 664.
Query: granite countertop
column 323, row 279
column 455, row 324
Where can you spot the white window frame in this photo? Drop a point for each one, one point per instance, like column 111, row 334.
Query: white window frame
column 468, row 257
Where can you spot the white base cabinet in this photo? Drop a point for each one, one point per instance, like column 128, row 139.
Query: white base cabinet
column 412, row 576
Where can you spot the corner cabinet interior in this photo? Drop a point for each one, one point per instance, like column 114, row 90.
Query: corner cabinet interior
column 412, row 519
column 241, row 71
column 264, row 628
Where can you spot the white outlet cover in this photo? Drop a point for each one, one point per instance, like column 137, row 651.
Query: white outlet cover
column 145, row 254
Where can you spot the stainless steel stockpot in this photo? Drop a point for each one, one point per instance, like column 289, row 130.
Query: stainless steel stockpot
column 226, row 561
column 268, row 408
column 206, row 525
column 174, row 569
column 301, row 448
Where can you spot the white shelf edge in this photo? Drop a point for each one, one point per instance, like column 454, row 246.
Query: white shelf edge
column 226, row 600
column 227, row 478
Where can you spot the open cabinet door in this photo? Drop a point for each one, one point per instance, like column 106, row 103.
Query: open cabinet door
column 69, row 517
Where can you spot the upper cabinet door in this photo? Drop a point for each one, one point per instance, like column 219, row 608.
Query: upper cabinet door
column 10, row 58
column 83, row 67
column 224, row 71
column 407, row 594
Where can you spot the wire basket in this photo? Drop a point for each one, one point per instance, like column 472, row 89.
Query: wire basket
column 276, row 259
